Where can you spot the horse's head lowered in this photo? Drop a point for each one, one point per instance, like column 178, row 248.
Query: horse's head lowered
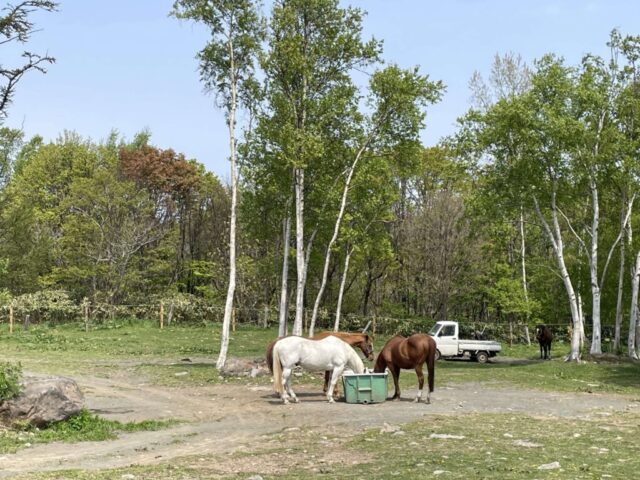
column 366, row 345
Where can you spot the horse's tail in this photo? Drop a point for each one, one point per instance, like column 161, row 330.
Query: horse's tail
column 431, row 363
column 269, row 355
column 276, row 369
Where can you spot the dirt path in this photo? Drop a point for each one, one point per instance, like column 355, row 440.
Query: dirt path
column 225, row 418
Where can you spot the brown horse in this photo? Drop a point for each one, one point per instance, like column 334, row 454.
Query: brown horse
column 408, row 353
column 361, row 340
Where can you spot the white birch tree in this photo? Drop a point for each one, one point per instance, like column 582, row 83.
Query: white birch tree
column 227, row 65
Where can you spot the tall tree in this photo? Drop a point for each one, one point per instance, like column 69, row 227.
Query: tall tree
column 313, row 47
column 227, row 65
column 399, row 98
column 17, row 27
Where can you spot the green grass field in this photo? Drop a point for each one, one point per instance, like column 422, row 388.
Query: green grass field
column 158, row 354
column 501, row 446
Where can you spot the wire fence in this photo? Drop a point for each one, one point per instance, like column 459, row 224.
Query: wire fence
column 167, row 313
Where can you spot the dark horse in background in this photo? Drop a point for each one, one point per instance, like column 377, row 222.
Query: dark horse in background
column 409, row 353
column 544, row 337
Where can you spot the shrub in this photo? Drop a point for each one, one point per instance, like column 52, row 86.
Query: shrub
column 9, row 380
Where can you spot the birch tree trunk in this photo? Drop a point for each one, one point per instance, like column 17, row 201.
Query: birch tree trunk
column 283, row 314
column 555, row 237
column 343, row 282
column 633, row 314
column 228, row 307
column 523, row 266
column 596, row 333
column 583, row 337
column 618, row 326
column 301, row 264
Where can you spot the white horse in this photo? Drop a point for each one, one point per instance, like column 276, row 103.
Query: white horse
column 330, row 353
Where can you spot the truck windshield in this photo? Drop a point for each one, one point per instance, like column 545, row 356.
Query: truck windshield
column 434, row 330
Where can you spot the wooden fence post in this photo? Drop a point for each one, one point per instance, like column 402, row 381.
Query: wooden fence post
column 373, row 326
column 26, row 321
column 11, row 318
column 161, row 315
column 526, row 334
column 266, row 317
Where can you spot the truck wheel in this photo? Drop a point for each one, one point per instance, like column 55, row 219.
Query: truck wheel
column 482, row 357
column 437, row 355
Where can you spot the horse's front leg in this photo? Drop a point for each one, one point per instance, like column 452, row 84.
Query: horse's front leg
column 335, row 375
column 421, row 385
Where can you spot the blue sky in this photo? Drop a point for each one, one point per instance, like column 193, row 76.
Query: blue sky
column 125, row 65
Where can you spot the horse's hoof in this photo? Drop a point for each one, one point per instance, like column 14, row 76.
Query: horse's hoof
column 285, row 402
column 416, row 400
column 295, row 400
column 395, row 399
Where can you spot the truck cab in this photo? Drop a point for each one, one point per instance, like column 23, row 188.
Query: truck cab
column 446, row 336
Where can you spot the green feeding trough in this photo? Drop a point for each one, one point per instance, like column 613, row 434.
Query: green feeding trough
column 365, row 387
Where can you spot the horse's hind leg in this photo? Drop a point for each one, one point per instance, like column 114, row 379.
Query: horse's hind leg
column 395, row 373
column 335, row 375
column 420, row 384
column 287, row 392
column 327, row 379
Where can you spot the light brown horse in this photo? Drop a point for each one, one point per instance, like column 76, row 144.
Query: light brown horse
column 409, row 353
column 361, row 340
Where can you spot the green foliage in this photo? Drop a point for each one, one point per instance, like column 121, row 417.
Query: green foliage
column 46, row 305
column 9, row 380
column 83, row 427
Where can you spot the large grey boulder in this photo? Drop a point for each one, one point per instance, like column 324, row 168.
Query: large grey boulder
column 43, row 401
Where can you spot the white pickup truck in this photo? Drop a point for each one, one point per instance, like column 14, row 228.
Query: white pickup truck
column 449, row 344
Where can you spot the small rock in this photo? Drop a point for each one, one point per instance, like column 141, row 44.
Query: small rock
column 439, row 472
column 386, row 428
column 181, row 374
column 399, row 432
column 526, row 444
column 507, row 435
column 128, row 476
column 255, row 477
column 446, row 436
column 549, row 466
